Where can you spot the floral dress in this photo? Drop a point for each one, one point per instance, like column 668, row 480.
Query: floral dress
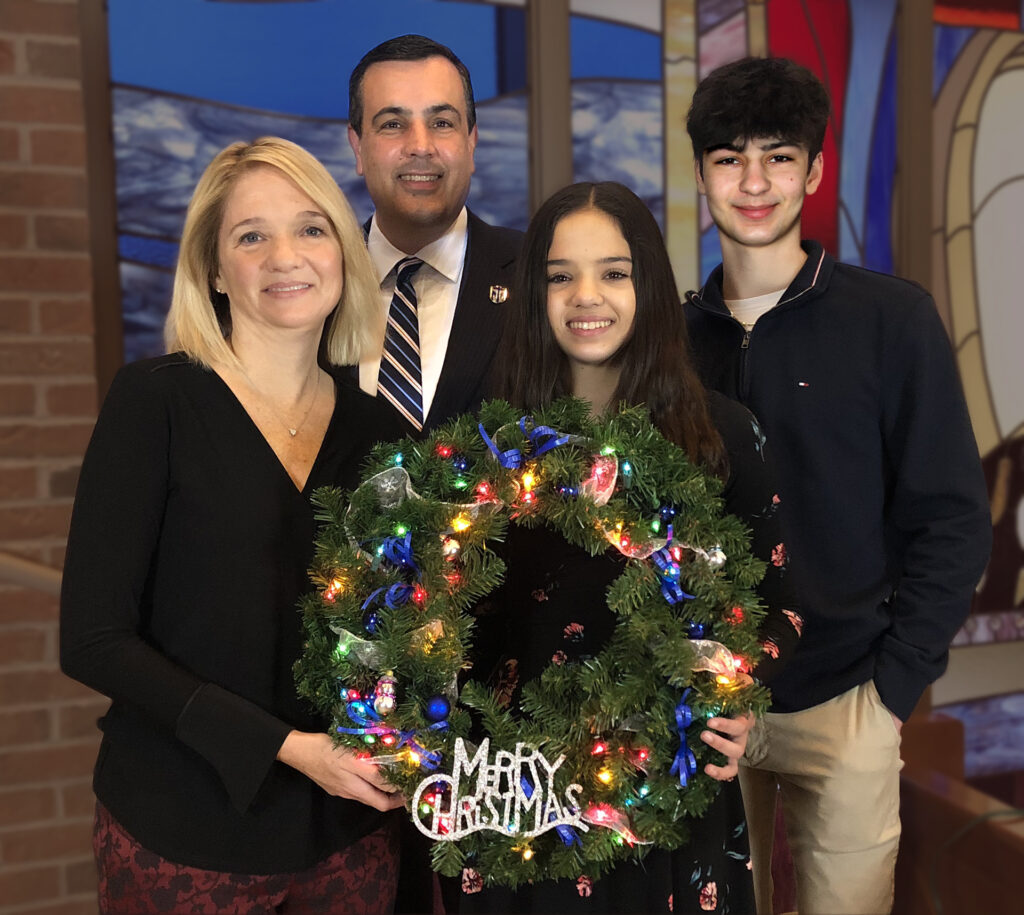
column 552, row 609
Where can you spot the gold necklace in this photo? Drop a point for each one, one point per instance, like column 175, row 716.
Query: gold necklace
column 309, row 409
column 746, row 326
column 292, row 430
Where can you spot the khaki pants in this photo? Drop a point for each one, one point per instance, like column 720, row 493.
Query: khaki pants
column 836, row 768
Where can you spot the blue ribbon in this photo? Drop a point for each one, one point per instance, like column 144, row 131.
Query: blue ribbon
column 685, row 762
column 398, row 551
column 668, row 572
column 367, row 718
column 394, row 596
column 510, row 460
column 567, row 834
column 362, row 714
column 542, row 438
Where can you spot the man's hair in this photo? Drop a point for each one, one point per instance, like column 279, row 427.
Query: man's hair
column 405, row 47
column 758, row 97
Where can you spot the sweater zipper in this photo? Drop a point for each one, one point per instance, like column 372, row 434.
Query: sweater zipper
column 744, row 350
column 745, row 342
column 744, row 356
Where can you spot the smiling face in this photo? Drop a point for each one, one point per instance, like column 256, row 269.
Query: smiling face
column 415, row 149
column 591, row 301
column 279, row 261
column 755, row 191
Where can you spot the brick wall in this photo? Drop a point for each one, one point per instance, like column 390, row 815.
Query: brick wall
column 47, row 405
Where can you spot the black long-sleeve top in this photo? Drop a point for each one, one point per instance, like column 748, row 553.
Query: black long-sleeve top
column 884, row 502
column 552, row 609
column 188, row 549
column 552, row 606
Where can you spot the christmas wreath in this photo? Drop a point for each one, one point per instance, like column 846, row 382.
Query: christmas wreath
column 602, row 759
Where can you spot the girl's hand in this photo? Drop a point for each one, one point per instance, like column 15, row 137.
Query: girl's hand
column 731, row 740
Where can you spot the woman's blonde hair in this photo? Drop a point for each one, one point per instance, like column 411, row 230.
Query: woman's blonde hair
column 199, row 319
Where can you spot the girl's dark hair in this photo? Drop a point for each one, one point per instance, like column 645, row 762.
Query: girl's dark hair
column 657, row 368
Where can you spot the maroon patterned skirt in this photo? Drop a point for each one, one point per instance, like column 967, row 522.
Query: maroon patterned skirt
column 358, row 880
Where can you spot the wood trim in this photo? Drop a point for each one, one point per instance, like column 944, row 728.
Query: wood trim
column 680, row 65
column 549, row 87
column 912, row 246
column 102, row 193
column 959, row 848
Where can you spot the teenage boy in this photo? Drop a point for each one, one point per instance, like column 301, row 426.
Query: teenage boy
column 884, row 504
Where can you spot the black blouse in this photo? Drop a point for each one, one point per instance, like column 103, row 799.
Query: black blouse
column 552, row 607
column 189, row 547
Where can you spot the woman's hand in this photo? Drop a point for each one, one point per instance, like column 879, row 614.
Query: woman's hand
column 731, row 741
column 338, row 770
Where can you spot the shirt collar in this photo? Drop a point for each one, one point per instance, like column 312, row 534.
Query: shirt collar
column 812, row 278
column 445, row 255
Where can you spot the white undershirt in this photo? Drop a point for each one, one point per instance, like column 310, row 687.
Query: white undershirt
column 747, row 311
column 437, row 285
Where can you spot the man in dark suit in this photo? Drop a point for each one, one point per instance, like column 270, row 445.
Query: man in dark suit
column 412, row 126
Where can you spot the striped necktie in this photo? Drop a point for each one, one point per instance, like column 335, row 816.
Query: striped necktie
column 400, row 379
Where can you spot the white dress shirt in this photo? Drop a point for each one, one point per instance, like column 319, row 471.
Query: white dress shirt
column 437, row 285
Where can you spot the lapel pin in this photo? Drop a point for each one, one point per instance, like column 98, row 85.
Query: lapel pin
column 499, row 294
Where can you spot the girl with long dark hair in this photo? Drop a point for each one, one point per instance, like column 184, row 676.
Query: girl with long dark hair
column 596, row 314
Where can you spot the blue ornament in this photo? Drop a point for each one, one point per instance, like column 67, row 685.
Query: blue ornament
column 667, row 513
column 696, row 630
column 438, row 708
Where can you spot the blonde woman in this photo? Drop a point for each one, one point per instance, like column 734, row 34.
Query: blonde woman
column 217, row 790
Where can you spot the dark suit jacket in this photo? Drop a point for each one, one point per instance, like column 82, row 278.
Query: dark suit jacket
column 491, row 253
column 490, row 261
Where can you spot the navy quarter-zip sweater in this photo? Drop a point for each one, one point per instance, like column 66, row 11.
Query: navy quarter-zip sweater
column 884, row 504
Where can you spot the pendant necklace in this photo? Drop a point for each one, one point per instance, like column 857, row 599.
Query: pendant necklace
column 316, row 392
column 292, row 430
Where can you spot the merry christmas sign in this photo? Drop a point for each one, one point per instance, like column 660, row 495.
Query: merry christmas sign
column 513, row 793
